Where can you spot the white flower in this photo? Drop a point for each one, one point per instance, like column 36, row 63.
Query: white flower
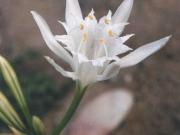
column 92, row 47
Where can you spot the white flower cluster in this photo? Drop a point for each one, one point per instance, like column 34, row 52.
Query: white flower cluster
column 91, row 47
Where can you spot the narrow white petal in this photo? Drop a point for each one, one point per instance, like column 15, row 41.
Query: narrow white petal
column 81, row 58
column 111, row 71
column 87, row 73
column 72, row 10
column 119, row 27
column 123, row 12
column 65, row 26
column 116, row 46
column 142, row 52
column 125, row 38
column 66, row 40
column 50, row 40
column 118, row 49
column 99, row 62
column 109, row 15
column 60, row 69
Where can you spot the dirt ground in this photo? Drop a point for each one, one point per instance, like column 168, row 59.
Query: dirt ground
column 155, row 83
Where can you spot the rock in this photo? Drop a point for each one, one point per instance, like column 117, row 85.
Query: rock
column 103, row 114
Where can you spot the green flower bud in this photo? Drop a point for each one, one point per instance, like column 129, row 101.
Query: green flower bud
column 8, row 114
column 12, row 81
column 16, row 132
column 38, row 125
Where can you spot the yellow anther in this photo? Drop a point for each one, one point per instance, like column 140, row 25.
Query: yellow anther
column 107, row 21
column 85, row 37
column 102, row 41
column 110, row 33
column 81, row 26
column 90, row 17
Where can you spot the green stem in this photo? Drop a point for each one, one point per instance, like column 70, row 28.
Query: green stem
column 71, row 110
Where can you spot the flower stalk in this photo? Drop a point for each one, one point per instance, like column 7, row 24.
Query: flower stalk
column 71, row 110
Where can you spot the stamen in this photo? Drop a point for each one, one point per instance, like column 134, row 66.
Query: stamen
column 107, row 21
column 81, row 26
column 83, row 41
column 85, row 37
column 90, row 17
column 105, row 49
column 102, row 41
column 110, row 33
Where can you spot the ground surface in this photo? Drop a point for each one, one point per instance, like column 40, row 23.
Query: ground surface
column 155, row 83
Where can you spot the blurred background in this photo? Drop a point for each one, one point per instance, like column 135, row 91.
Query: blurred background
column 155, row 83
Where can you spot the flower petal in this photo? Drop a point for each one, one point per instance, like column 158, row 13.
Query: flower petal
column 66, row 40
column 72, row 10
column 123, row 12
column 142, row 52
column 117, row 49
column 87, row 73
column 118, row 28
column 109, row 15
column 125, row 38
column 99, row 62
column 111, row 71
column 50, row 40
column 60, row 69
column 65, row 26
column 116, row 46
